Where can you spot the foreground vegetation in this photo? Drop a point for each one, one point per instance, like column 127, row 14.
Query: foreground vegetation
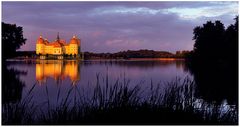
column 121, row 103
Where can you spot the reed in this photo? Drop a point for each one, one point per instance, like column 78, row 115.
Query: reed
column 118, row 103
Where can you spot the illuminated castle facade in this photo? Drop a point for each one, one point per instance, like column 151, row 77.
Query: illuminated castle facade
column 59, row 48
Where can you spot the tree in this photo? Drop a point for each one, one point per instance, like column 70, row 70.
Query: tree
column 209, row 40
column 232, row 41
column 12, row 39
column 214, row 61
column 213, row 42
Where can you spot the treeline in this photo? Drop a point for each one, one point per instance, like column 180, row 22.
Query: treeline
column 26, row 54
column 143, row 53
column 182, row 54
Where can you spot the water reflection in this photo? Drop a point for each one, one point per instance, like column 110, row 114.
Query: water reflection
column 139, row 64
column 12, row 85
column 215, row 82
column 58, row 70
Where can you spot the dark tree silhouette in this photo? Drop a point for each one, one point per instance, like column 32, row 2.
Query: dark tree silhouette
column 214, row 61
column 231, row 38
column 209, row 40
column 12, row 39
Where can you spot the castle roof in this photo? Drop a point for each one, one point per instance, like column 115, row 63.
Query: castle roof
column 62, row 42
column 74, row 40
column 40, row 40
column 58, row 42
column 55, row 44
column 46, row 41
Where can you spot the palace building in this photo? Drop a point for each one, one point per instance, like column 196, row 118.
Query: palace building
column 58, row 48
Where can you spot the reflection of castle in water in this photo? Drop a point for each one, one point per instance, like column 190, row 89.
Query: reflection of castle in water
column 58, row 70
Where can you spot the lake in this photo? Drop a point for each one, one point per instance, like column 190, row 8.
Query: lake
column 63, row 74
column 50, row 83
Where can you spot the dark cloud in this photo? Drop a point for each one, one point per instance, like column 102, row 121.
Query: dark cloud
column 115, row 26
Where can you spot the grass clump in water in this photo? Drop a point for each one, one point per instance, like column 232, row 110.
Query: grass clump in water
column 121, row 103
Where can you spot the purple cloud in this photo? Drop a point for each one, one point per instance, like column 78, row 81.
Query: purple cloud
column 116, row 26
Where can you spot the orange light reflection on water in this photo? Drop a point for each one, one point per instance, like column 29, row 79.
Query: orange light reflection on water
column 58, row 70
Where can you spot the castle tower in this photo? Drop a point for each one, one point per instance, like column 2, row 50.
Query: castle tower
column 58, row 38
column 74, row 45
column 40, row 45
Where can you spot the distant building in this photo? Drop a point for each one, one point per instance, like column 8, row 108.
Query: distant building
column 59, row 48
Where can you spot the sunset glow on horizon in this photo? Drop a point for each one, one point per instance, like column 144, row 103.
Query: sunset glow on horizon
column 117, row 26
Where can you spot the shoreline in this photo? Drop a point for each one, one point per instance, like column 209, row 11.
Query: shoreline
column 101, row 59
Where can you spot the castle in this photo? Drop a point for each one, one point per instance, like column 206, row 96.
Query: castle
column 59, row 48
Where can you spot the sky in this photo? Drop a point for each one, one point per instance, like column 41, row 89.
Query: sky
column 116, row 26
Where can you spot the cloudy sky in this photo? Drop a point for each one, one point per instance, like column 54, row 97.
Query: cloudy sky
column 116, row 26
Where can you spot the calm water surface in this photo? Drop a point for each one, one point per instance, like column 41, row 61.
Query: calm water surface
column 52, row 76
